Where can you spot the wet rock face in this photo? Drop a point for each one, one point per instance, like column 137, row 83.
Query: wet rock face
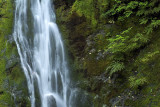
column 51, row 101
column 74, row 30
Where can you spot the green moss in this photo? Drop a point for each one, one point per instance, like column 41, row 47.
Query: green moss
column 12, row 79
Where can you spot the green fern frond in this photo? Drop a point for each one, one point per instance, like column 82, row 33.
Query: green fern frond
column 135, row 81
column 115, row 67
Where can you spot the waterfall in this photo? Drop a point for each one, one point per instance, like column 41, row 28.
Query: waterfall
column 41, row 52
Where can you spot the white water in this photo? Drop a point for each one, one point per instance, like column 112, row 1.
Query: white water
column 41, row 53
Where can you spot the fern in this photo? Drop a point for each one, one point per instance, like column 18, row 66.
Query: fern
column 115, row 67
column 143, row 21
column 137, row 81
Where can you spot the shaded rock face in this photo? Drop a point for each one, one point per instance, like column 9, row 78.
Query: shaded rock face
column 67, row 3
column 76, row 37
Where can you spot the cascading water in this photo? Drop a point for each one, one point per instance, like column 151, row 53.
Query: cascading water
column 41, row 53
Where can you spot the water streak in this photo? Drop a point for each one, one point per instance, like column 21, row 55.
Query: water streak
column 41, row 52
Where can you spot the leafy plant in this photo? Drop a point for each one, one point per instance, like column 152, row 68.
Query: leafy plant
column 115, row 67
column 137, row 81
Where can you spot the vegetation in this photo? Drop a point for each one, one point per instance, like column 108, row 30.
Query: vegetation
column 112, row 44
column 117, row 46
column 12, row 81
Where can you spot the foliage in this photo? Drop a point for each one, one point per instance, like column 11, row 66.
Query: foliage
column 123, row 49
column 133, row 29
column 91, row 9
column 115, row 67
column 135, row 82
column 86, row 8
column 147, row 13
column 129, row 38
